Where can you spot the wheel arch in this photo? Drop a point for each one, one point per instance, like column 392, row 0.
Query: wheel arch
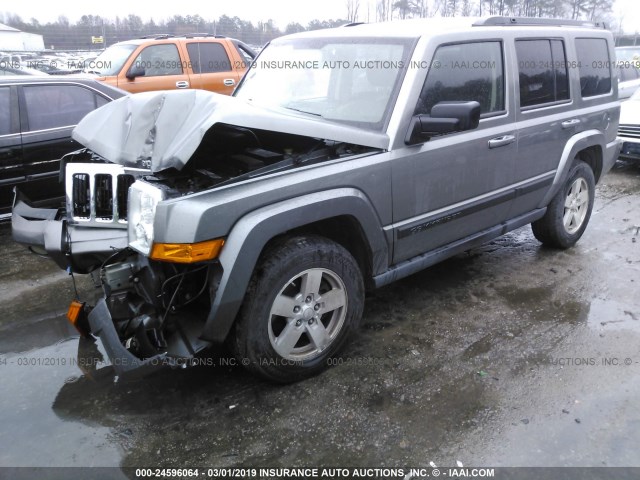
column 589, row 146
column 343, row 215
column 345, row 230
column 593, row 156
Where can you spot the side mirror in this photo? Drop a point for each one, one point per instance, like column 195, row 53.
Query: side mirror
column 135, row 71
column 445, row 117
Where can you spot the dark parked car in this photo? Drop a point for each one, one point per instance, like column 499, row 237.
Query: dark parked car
column 37, row 115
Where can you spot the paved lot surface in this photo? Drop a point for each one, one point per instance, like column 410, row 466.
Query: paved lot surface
column 509, row 355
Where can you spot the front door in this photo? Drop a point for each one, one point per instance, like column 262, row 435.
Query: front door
column 163, row 70
column 457, row 184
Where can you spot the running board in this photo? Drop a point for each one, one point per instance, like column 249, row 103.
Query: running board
column 415, row 264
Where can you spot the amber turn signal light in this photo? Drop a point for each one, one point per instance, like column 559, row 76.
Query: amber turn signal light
column 187, row 252
column 75, row 309
column 78, row 318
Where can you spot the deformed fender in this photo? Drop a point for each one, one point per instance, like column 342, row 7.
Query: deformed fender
column 251, row 233
column 577, row 143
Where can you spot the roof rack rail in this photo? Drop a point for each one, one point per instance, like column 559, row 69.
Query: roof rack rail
column 201, row 34
column 535, row 21
column 158, row 36
column 353, row 24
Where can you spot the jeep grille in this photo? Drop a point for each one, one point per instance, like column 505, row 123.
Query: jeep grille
column 97, row 193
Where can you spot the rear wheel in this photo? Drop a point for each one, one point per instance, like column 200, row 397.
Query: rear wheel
column 304, row 299
column 568, row 213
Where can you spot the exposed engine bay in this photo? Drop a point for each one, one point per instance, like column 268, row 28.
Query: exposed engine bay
column 229, row 154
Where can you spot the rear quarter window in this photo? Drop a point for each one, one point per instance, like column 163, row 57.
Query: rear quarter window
column 594, row 65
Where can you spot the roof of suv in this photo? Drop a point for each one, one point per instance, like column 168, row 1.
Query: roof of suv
column 418, row 27
column 166, row 38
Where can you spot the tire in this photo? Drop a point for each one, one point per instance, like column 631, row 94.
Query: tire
column 305, row 297
column 568, row 213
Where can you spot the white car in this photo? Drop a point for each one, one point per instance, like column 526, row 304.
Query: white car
column 628, row 60
column 629, row 129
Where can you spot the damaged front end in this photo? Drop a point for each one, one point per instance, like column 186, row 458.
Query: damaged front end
column 96, row 196
column 148, row 149
column 151, row 310
column 151, row 313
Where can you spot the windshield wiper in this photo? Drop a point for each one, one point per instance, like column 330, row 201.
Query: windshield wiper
column 302, row 111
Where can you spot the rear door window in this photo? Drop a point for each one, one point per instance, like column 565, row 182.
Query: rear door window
column 54, row 106
column 542, row 69
column 208, row 57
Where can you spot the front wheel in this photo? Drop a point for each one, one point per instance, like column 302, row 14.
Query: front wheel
column 568, row 213
column 306, row 296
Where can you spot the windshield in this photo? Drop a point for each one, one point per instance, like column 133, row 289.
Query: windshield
column 625, row 54
column 110, row 61
column 347, row 80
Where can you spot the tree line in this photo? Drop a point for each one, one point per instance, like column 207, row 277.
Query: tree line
column 65, row 35
column 592, row 10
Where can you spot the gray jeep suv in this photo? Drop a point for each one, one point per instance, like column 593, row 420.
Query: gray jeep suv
column 346, row 159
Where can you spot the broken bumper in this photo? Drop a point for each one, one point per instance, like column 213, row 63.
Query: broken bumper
column 123, row 361
column 45, row 231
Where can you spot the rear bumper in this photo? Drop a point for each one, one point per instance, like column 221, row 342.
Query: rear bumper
column 45, row 231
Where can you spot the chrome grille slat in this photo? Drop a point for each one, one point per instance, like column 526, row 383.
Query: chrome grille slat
column 81, row 195
column 103, row 196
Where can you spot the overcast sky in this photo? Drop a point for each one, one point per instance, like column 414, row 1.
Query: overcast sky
column 281, row 11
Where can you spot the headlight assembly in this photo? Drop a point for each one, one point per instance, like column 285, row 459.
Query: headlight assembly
column 143, row 199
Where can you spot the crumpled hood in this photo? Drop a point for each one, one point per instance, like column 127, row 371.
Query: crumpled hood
column 160, row 130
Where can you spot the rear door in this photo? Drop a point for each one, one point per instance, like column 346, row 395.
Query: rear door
column 546, row 115
column 11, row 166
column 214, row 67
